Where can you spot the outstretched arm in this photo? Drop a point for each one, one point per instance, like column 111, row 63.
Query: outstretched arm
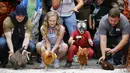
column 103, row 40
column 27, row 35
column 8, row 35
column 59, row 39
column 122, row 43
column 26, row 40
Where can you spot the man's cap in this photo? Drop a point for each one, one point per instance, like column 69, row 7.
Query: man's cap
column 21, row 10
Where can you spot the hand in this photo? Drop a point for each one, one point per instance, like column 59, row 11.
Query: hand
column 91, row 43
column 10, row 54
column 72, row 42
column 101, row 58
column 24, row 51
column 107, row 49
column 111, row 51
column 75, row 9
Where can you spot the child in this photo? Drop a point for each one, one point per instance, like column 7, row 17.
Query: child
column 80, row 37
column 53, row 32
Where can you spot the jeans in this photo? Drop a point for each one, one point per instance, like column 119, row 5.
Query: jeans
column 70, row 22
column 4, row 48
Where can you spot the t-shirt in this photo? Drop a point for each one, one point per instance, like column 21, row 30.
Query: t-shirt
column 65, row 8
column 8, row 25
column 83, row 42
column 123, row 25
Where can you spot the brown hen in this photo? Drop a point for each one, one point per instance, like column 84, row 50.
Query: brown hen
column 82, row 57
column 48, row 57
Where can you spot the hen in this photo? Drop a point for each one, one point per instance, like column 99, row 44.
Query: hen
column 106, row 65
column 82, row 57
column 48, row 57
column 18, row 59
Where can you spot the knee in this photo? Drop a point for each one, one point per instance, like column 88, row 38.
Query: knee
column 38, row 45
column 65, row 47
column 72, row 48
column 3, row 43
column 91, row 53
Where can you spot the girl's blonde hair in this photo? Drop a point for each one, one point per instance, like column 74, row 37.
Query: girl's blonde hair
column 45, row 25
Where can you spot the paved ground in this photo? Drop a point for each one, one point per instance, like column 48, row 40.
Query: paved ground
column 62, row 71
column 91, row 64
column 92, row 67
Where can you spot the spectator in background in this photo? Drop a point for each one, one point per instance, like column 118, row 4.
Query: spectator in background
column 48, row 4
column 66, row 10
column 99, row 11
column 85, row 10
column 34, row 10
column 126, row 11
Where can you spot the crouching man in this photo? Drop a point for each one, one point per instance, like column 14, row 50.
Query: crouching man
column 17, row 31
column 112, row 36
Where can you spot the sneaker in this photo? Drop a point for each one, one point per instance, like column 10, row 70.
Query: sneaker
column 42, row 65
column 56, row 63
column 39, row 60
column 75, row 58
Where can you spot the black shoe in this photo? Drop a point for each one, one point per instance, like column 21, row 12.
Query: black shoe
column 39, row 60
column 30, row 62
column 68, row 64
column 4, row 62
